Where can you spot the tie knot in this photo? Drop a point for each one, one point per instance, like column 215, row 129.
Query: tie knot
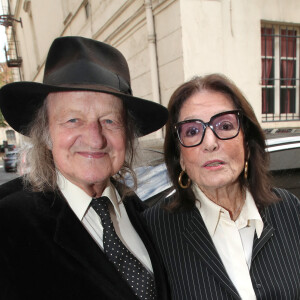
column 100, row 205
column 102, row 200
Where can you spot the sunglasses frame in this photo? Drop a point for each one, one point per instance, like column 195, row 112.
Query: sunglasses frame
column 237, row 112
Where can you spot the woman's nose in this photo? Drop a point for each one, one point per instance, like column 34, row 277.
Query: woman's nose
column 210, row 141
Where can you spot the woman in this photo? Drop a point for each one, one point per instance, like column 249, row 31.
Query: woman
column 224, row 233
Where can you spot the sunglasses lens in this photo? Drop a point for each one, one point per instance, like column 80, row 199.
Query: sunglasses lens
column 226, row 126
column 190, row 133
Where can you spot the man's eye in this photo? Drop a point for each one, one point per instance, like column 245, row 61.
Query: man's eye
column 73, row 120
column 109, row 121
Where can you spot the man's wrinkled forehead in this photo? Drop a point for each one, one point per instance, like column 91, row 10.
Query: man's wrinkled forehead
column 68, row 99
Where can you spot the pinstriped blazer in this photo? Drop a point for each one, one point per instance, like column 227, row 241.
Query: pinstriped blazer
column 195, row 269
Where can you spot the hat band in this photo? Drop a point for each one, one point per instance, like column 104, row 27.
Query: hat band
column 86, row 73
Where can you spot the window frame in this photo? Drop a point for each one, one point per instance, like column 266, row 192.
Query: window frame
column 271, row 79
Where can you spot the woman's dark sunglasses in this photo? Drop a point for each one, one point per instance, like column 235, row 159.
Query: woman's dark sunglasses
column 225, row 126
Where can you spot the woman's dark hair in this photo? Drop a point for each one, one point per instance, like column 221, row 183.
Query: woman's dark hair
column 259, row 180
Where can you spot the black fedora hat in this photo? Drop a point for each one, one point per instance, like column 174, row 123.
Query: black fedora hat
column 76, row 63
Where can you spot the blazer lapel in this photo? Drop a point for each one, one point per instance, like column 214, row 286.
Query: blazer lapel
column 267, row 233
column 71, row 235
column 197, row 236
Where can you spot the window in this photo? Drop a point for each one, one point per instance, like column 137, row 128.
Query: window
column 11, row 137
column 280, row 72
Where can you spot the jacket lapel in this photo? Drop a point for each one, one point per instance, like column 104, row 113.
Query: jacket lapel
column 197, row 236
column 73, row 238
column 267, row 233
column 71, row 235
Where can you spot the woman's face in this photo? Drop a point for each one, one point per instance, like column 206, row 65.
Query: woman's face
column 215, row 163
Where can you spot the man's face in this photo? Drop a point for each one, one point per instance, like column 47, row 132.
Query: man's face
column 88, row 136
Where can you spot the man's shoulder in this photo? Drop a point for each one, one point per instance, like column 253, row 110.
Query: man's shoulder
column 11, row 187
column 13, row 201
column 14, row 196
column 19, row 204
column 14, row 193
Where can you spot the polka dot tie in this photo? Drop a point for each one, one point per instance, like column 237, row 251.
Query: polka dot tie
column 131, row 269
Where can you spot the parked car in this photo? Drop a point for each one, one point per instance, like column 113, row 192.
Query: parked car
column 9, row 147
column 285, row 162
column 154, row 183
column 11, row 161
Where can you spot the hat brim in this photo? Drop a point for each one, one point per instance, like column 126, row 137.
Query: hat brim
column 19, row 102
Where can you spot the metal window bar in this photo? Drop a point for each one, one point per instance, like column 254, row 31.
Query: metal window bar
column 277, row 33
column 267, row 59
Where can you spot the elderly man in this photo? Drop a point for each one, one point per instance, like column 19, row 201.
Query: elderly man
column 69, row 228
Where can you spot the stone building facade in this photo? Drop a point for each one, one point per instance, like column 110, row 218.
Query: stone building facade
column 166, row 42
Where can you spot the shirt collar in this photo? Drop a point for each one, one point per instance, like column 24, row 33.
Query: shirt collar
column 79, row 201
column 211, row 212
column 250, row 215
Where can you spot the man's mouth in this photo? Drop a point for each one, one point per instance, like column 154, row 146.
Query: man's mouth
column 89, row 154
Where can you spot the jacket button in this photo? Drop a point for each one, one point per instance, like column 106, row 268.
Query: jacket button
column 258, row 285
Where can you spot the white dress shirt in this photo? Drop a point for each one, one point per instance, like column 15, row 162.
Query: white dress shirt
column 233, row 239
column 79, row 202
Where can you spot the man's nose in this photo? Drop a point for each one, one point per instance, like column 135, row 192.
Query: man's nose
column 95, row 136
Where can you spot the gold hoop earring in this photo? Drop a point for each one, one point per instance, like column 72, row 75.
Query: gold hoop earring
column 246, row 170
column 180, row 181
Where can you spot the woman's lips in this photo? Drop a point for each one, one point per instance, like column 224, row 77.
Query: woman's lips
column 213, row 164
column 91, row 154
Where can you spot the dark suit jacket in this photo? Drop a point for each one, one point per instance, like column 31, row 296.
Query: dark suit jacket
column 46, row 253
column 195, row 269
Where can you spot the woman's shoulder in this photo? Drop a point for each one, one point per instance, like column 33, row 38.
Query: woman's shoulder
column 286, row 198
column 160, row 206
column 288, row 205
